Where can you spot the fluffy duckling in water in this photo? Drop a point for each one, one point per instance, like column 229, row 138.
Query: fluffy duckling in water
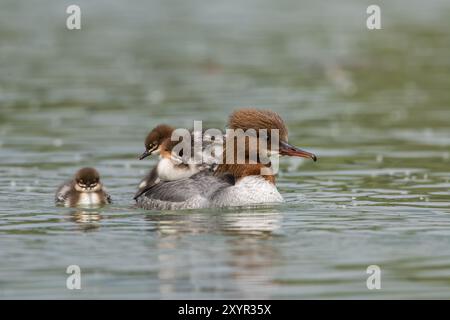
column 85, row 189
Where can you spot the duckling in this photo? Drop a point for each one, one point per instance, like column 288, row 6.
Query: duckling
column 171, row 165
column 155, row 138
column 84, row 189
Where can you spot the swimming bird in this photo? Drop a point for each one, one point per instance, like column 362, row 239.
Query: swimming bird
column 84, row 189
column 231, row 184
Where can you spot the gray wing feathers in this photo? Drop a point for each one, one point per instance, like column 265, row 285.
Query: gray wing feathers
column 149, row 181
column 193, row 192
column 62, row 192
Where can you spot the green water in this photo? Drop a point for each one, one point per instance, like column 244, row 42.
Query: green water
column 373, row 105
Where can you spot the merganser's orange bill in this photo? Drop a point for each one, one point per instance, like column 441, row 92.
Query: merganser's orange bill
column 288, row 150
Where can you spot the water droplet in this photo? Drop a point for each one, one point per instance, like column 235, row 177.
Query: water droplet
column 57, row 143
column 428, row 133
column 155, row 97
column 379, row 158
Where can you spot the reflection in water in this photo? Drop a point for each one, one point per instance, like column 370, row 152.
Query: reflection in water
column 247, row 263
column 88, row 220
column 252, row 257
column 253, row 263
column 233, row 222
column 263, row 224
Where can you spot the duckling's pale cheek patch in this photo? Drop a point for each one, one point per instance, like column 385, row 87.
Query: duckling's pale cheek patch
column 79, row 188
column 97, row 187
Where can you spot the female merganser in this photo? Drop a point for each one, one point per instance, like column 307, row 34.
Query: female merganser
column 84, row 189
column 231, row 184
column 171, row 166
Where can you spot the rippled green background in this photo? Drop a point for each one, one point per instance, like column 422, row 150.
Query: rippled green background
column 374, row 105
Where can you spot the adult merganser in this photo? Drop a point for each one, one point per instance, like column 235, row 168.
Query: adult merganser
column 231, row 184
column 171, row 166
column 84, row 189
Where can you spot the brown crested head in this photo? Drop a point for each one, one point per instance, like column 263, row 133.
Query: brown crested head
column 256, row 119
column 251, row 118
column 247, row 119
column 158, row 135
column 87, row 177
column 155, row 138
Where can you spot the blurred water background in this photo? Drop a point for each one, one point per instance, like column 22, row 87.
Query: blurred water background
column 374, row 106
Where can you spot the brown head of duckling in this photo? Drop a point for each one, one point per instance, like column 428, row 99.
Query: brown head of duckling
column 155, row 138
column 87, row 180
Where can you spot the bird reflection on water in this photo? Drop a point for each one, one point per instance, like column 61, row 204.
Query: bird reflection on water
column 87, row 220
column 251, row 256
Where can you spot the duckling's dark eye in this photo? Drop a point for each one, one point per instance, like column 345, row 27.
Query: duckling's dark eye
column 150, row 146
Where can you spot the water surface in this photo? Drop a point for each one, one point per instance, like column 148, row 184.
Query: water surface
column 373, row 105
